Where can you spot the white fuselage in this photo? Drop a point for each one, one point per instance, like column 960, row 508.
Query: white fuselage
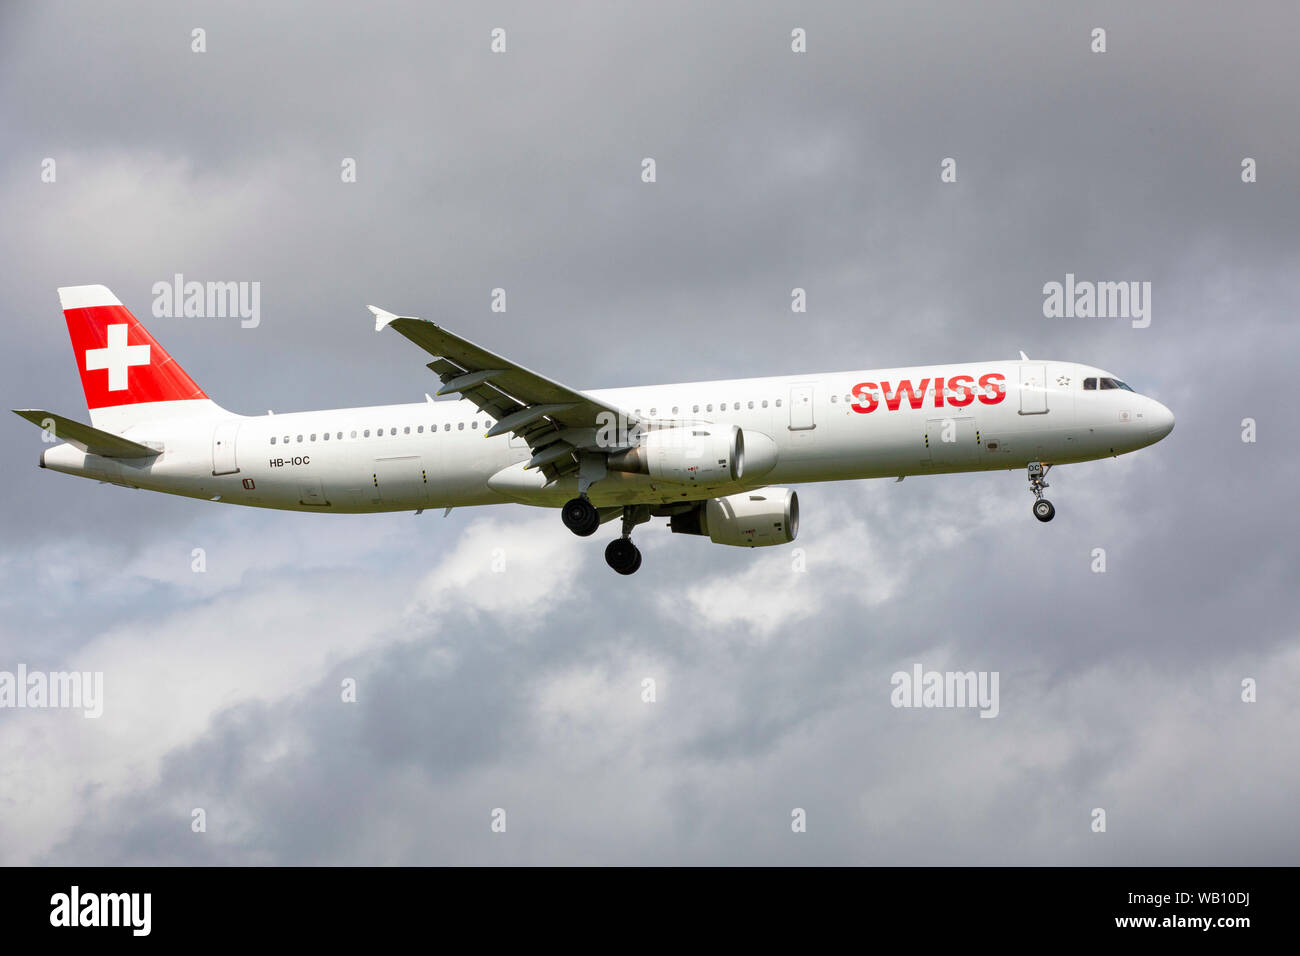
column 825, row 427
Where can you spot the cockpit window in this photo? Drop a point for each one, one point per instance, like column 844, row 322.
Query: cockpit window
column 1114, row 383
column 1089, row 384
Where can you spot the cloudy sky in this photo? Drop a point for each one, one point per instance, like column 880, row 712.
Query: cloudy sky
column 523, row 690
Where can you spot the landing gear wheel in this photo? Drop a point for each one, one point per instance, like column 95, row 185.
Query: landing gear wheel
column 1043, row 510
column 580, row 516
column 623, row 556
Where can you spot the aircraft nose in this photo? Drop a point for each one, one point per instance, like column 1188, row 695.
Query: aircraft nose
column 1160, row 421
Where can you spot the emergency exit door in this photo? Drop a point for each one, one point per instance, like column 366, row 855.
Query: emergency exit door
column 801, row 408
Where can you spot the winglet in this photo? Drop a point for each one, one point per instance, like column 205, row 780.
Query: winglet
column 382, row 318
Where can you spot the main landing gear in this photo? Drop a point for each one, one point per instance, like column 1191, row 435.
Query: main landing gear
column 1043, row 509
column 580, row 516
column 583, row 518
column 621, row 554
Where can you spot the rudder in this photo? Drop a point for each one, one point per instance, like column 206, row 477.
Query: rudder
column 126, row 375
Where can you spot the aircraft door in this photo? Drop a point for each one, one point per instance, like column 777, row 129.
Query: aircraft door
column 223, row 449
column 1033, row 389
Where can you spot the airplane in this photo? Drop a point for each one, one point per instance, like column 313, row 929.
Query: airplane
column 711, row 457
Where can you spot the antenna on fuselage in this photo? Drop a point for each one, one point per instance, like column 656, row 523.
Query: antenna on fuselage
column 1023, row 356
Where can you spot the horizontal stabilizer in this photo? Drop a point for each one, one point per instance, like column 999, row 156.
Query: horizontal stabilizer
column 88, row 439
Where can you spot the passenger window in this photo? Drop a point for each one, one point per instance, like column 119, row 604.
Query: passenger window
column 1089, row 384
column 835, row 398
column 419, row 430
column 406, row 430
column 474, row 424
column 313, row 436
column 447, row 427
column 695, row 408
column 652, row 413
column 765, row 403
column 272, row 439
column 299, row 438
column 751, row 404
column 778, row 403
column 354, row 433
column 326, row 436
column 708, row 408
column 392, row 431
column 460, row 426
column 286, row 439
column 367, row 433
column 674, row 409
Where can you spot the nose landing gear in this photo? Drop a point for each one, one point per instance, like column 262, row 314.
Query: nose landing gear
column 621, row 554
column 1043, row 509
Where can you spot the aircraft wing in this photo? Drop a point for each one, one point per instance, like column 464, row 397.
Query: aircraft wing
column 555, row 420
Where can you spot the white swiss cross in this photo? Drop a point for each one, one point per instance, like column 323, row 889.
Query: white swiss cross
column 117, row 357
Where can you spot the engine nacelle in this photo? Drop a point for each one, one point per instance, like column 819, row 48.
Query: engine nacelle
column 696, row 454
column 752, row 519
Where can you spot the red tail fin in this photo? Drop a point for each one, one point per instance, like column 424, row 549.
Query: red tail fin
column 120, row 363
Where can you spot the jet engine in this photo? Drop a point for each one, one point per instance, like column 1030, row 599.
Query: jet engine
column 696, row 454
column 752, row 519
